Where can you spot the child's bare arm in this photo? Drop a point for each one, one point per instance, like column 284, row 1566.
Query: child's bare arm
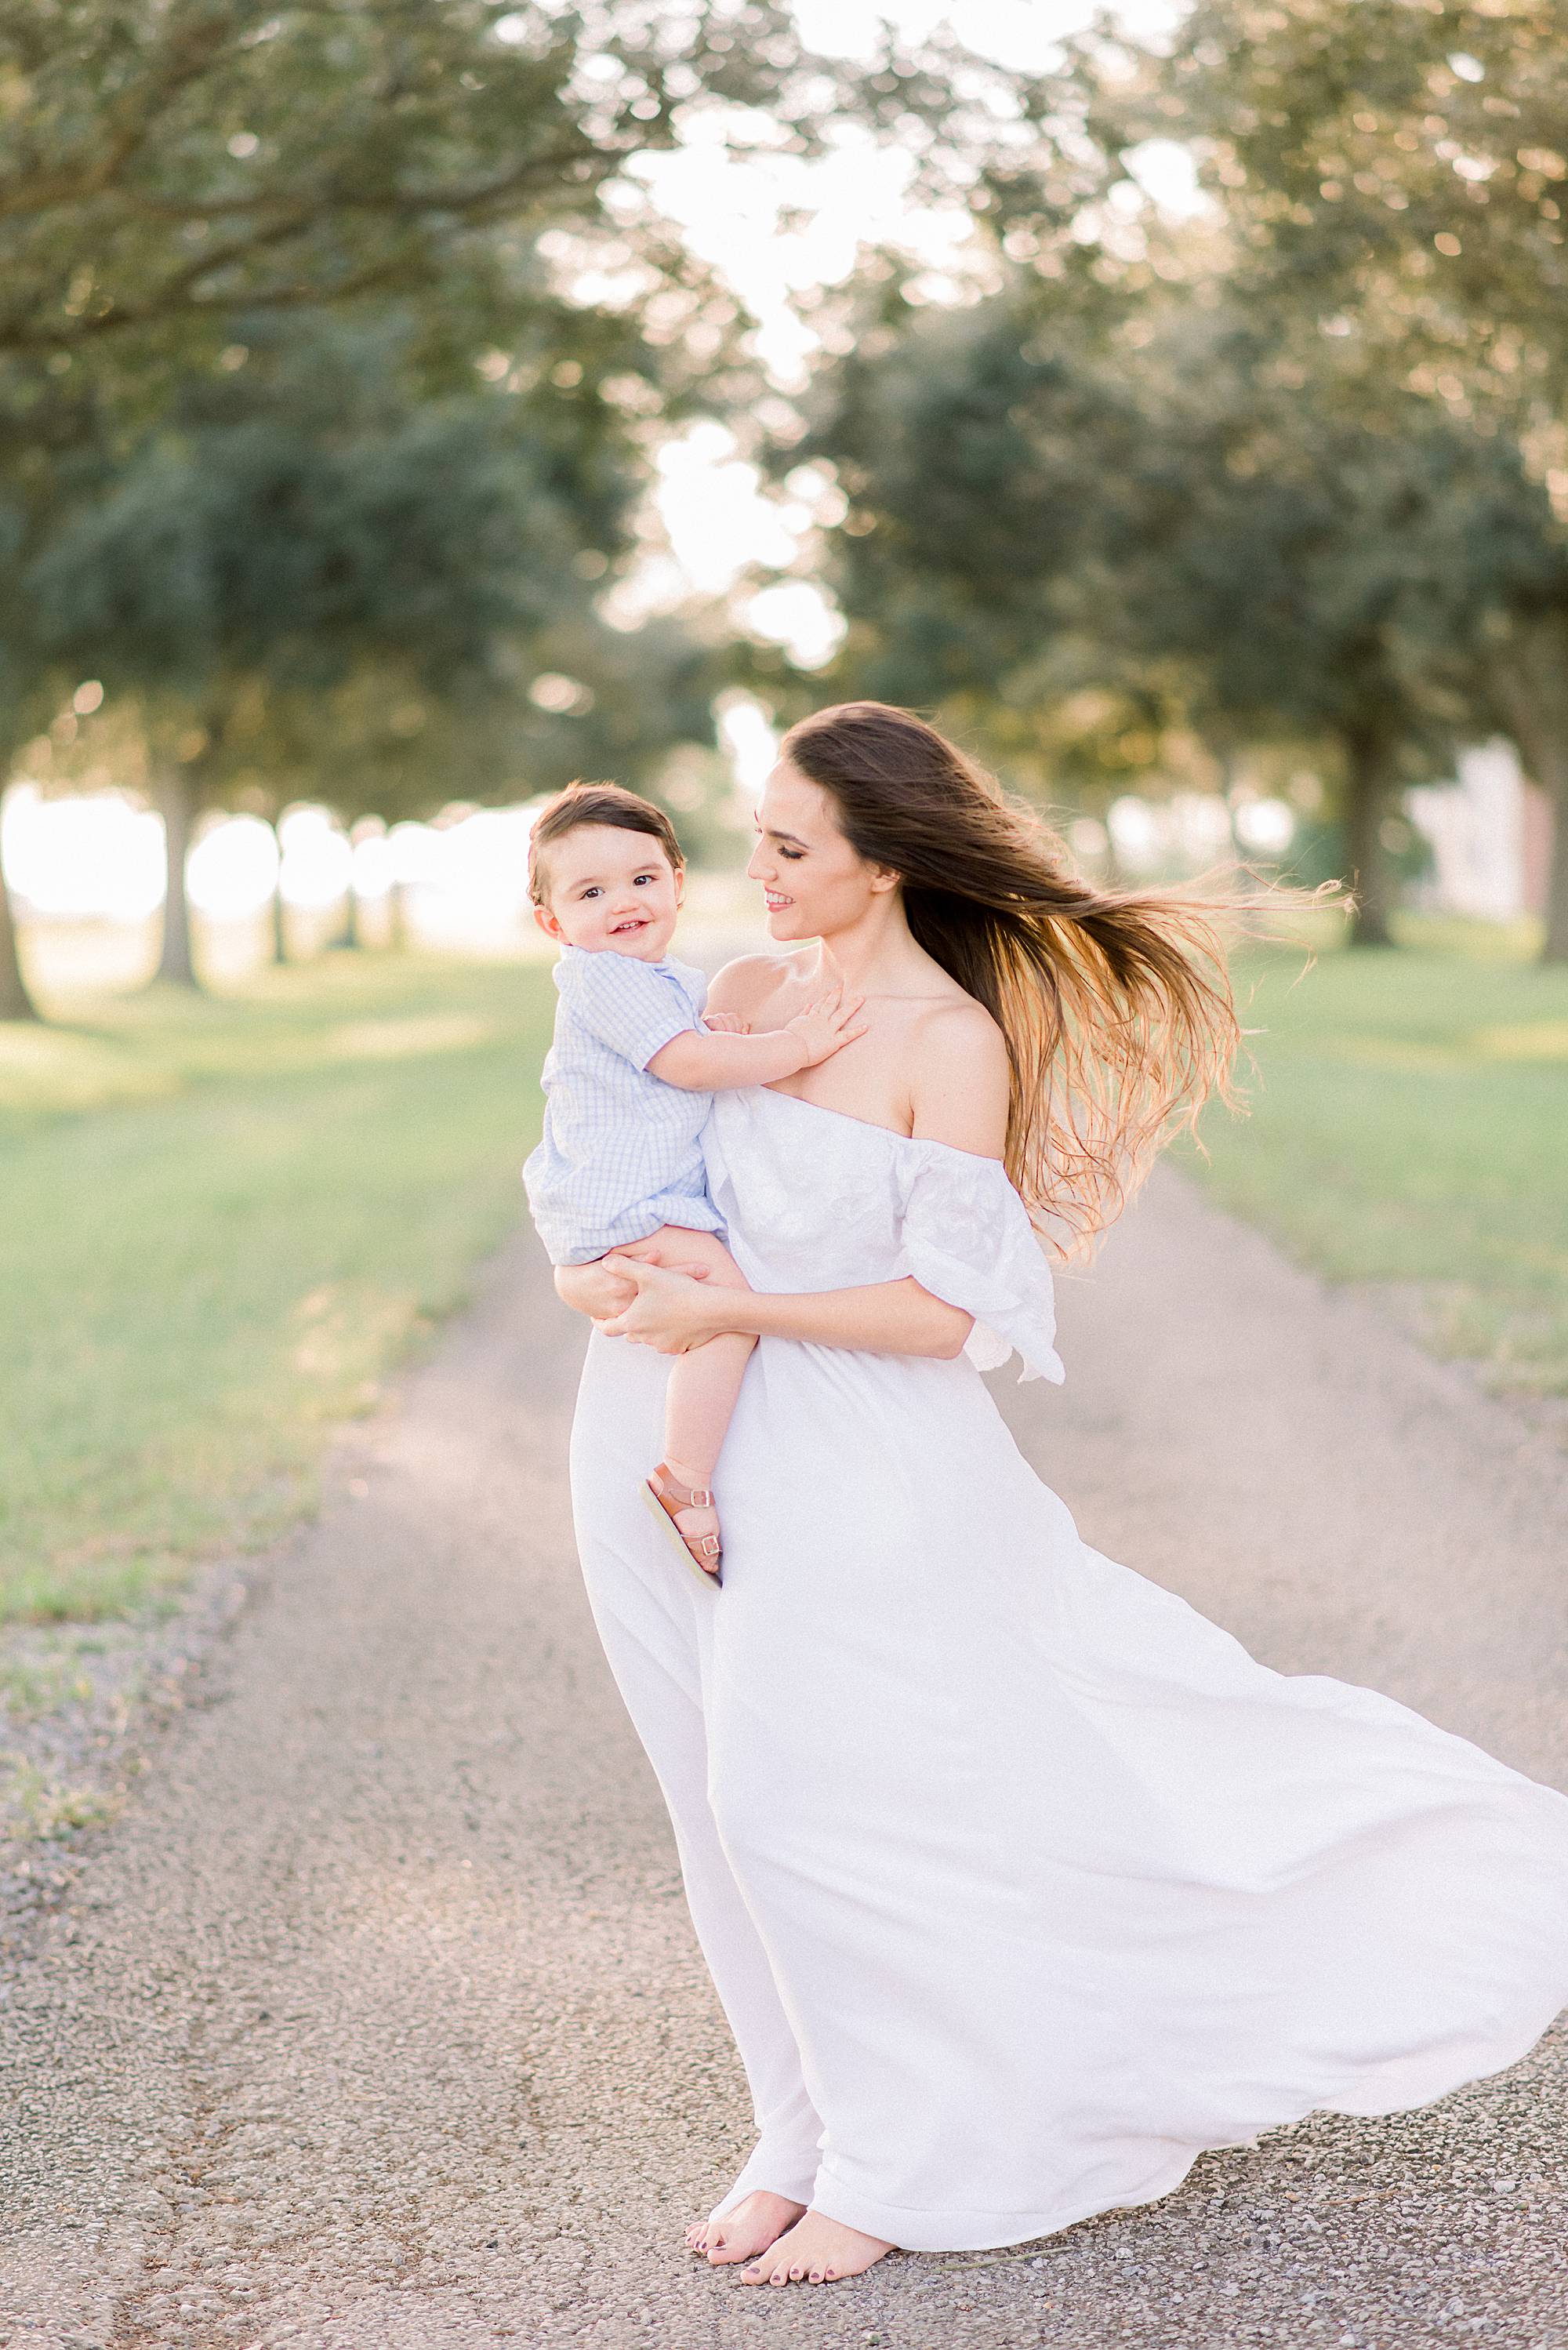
column 679, row 1249
column 699, row 1061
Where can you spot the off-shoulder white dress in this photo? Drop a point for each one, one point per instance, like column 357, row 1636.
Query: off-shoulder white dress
column 1021, row 1883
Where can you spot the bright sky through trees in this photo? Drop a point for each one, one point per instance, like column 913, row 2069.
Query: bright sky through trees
column 733, row 210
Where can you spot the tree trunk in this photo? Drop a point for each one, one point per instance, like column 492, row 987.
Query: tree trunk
column 279, row 928
column 1530, row 689
column 176, row 802
column 16, row 1004
column 1369, row 797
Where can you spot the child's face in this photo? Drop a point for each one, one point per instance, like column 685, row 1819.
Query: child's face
column 610, row 889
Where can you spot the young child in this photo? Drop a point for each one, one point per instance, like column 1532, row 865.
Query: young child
column 627, row 1082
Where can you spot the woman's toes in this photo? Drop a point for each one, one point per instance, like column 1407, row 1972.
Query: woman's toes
column 750, row 2231
column 818, row 2250
column 723, row 2251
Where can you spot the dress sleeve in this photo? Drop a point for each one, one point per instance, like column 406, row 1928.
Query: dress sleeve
column 631, row 1006
column 966, row 1236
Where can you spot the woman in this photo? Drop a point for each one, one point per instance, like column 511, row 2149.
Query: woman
column 1020, row 1882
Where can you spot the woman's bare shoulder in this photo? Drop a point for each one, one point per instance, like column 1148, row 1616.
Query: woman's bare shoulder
column 961, row 1077
column 957, row 1025
column 744, row 986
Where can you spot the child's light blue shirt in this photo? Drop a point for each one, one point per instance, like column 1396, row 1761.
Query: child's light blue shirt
column 620, row 1155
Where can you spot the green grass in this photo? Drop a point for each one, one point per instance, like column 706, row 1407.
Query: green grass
column 226, row 1219
column 1410, row 1130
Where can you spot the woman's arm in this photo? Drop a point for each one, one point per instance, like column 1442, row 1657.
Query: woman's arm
column 671, row 1314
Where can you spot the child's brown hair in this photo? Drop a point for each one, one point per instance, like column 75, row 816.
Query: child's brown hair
column 582, row 803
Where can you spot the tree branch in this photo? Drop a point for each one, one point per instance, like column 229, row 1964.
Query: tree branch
column 193, row 51
column 179, row 294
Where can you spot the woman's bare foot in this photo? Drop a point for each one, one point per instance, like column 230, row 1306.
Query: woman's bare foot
column 756, row 2221
column 815, row 2251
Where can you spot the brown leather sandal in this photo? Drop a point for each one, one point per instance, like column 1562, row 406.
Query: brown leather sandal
column 664, row 1496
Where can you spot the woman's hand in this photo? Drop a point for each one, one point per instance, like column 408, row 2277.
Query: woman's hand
column 670, row 1312
column 596, row 1290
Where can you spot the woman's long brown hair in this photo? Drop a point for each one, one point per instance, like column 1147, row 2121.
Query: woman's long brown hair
column 1116, row 1004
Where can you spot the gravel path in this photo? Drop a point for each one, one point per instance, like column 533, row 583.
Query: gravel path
column 376, row 2022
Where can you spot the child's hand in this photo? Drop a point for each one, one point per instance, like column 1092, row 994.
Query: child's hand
column 596, row 1290
column 827, row 1026
column 724, row 1024
column 668, row 1310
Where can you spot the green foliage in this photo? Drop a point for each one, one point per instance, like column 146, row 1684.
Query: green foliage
column 1406, row 162
column 1221, row 474
column 312, row 579
column 296, row 522
column 968, row 461
column 1300, row 553
column 168, row 167
column 1391, row 179
column 168, row 164
column 1177, row 523
column 203, row 487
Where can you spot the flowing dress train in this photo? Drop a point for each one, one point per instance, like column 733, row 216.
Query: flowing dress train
column 1021, row 1883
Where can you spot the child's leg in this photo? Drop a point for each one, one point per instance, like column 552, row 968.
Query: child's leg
column 704, row 1382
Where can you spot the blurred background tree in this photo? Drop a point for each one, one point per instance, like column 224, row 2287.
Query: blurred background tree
column 1396, row 178
column 1183, row 528
column 1286, row 461
column 305, row 523
column 337, row 353
column 180, row 179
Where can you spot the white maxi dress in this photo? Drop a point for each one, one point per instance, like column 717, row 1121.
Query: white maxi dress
column 1021, row 1883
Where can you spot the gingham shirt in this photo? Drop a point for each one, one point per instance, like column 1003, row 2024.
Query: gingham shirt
column 619, row 1156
